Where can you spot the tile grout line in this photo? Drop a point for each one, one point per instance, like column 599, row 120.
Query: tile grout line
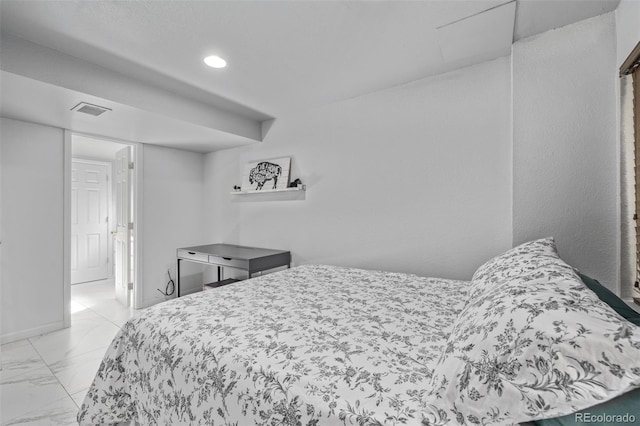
column 103, row 316
column 53, row 374
column 99, row 315
column 68, row 395
column 49, row 367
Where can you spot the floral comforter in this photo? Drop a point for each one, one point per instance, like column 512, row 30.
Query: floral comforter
column 312, row 345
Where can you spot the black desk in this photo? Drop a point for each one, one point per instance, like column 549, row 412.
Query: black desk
column 250, row 259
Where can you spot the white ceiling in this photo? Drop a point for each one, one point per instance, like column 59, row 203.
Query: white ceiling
column 94, row 149
column 283, row 55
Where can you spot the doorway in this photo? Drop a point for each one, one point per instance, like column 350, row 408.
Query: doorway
column 104, row 193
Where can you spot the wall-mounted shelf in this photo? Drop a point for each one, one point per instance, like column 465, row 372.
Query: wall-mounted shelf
column 267, row 191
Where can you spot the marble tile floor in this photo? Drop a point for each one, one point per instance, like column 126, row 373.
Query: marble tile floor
column 44, row 379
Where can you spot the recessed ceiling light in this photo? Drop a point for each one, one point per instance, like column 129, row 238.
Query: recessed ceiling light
column 215, row 61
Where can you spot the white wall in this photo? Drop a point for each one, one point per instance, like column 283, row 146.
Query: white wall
column 172, row 216
column 414, row 178
column 31, row 229
column 565, row 169
column 32, row 269
column 627, row 28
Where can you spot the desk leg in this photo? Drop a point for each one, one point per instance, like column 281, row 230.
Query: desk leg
column 178, row 277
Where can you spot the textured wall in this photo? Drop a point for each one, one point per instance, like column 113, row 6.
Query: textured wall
column 565, row 162
column 414, row 178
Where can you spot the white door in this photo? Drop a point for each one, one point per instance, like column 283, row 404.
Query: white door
column 123, row 234
column 89, row 221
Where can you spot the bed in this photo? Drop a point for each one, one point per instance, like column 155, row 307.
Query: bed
column 325, row 345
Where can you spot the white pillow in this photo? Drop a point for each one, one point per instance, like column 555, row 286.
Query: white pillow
column 532, row 346
column 521, row 262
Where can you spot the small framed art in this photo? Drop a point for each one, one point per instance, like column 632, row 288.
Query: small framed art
column 266, row 174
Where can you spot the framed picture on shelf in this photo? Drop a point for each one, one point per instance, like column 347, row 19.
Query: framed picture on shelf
column 266, row 174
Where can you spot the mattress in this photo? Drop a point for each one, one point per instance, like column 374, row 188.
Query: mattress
column 311, row 345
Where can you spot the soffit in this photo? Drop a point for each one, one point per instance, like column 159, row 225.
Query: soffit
column 283, row 56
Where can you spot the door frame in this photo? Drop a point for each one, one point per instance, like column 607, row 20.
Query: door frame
column 137, row 186
column 109, row 166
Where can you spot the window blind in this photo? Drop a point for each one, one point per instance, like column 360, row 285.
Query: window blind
column 631, row 66
column 627, row 190
column 636, row 143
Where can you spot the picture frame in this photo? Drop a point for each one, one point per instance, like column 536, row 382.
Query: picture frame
column 266, row 175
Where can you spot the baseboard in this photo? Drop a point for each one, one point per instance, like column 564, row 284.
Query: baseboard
column 185, row 291
column 154, row 301
column 32, row 332
column 150, row 302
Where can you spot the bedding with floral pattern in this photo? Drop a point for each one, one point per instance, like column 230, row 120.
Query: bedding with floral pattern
column 531, row 343
column 321, row 345
column 313, row 345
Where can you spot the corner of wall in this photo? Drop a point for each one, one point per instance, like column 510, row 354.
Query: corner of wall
column 565, row 146
column 511, row 143
column 66, row 231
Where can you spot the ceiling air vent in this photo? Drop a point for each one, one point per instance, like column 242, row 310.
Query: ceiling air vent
column 90, row 109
